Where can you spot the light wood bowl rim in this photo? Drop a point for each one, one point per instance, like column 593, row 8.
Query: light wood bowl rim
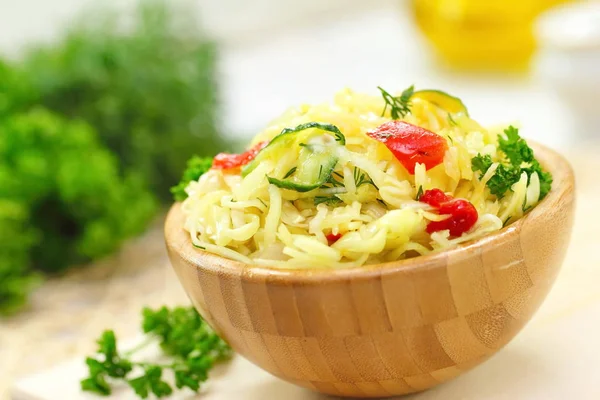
column 178, row 240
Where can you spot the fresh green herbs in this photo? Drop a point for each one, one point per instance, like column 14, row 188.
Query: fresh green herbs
column 329, row 200
column 63, row 200
column 336, row 180
column 182, row 334
column 108, row 365
column 519, row 159
column 196, row 167
column 290, row 172
column 339, row 136
column 95, row 126
column 262, row 202
column 419, row 193
column 451, row 120
column 481, row 163
column 333, row 181
column 504, row 177
column 399, row 106
column 361, row 178
column 145, row 80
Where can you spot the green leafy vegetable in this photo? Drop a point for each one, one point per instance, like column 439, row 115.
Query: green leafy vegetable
column 515, row 147
column 196, row 167
column 290, row 172
column 63, row 200
column 182, row 334
column 361, row 178
column 17, row 236
column 288, row 137
column 399, row 106
column 69, row 193
column 520, row 159
column 481, row 163
column 147, row 84
column 329, row 200
column 333, row 182
column 451, row 120
column 316, row 161
column 339, row 136
column 419, row 193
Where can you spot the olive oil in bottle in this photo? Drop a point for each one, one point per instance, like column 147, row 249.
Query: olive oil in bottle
column 481, row 34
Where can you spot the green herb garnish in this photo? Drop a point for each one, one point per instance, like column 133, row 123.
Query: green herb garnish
column 399, row 106
column 146, row 80
column 329, row 200
column 337, row 134
column 361, row 178
column 451, row 120
column 334, row 182
column 63, row 200
column 419, row 193
column 290, row 172
column 520, row 158
column 183, row 335
column 196, row 167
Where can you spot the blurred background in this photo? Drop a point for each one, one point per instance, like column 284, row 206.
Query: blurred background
column 103, row 102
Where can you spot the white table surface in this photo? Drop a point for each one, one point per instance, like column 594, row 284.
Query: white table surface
column 554, row 358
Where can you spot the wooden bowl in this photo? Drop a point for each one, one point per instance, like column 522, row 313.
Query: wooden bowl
column 386, row 329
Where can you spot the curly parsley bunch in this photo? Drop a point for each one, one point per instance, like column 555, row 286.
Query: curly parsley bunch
column 149, row 91
column 519, row 158
column 191, row 346
column 63, row 200
column 94, row 129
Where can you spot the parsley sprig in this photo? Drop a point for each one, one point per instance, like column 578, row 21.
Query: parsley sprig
column 196, row 167
column 519, row 159
column 399, row 106
column 182, row 334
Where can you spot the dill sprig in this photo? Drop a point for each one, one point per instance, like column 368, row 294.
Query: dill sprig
column 329, row 200
column 333, row 181
column 419, row 193
column 361, row 178
column 290, row 172
column 400, row 105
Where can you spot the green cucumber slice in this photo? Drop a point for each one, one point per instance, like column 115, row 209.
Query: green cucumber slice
column 287, row 138
column 441, row 99
column 316, row 163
